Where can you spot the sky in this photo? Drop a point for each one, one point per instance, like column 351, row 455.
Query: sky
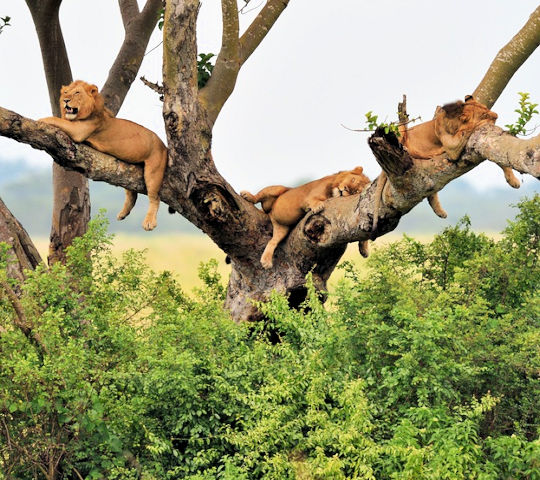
column 320, row 69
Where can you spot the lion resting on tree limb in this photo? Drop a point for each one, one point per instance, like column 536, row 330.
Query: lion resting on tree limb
column 286, row 206
column 447, row 134
column 86, row 119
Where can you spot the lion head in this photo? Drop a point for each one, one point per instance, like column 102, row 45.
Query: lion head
column 80, row 100
column 349, row 182
column 466, row 116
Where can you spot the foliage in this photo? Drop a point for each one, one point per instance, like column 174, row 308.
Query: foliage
column 526, row 111
column 424, row 367
column 204, row 68
column 4, row 22
column 373, row 123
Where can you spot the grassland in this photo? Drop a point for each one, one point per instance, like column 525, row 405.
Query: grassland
column 183, row 253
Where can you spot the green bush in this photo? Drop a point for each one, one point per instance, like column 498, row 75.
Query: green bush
column 424, row 367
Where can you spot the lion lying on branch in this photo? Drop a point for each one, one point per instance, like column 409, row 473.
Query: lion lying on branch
column 286, row 206
column 447, row 134
column 86, row 119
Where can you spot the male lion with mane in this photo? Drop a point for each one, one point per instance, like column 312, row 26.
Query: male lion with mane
column 286, row 206
column 86, row 119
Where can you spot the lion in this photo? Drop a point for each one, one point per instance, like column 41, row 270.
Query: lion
column 286, row 206
column 449, row 130
column 447, row 134
column 86, row 119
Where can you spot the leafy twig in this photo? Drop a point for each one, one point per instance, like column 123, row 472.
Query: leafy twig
column 526, row 110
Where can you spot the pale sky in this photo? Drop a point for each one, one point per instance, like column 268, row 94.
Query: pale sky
column 323, row 64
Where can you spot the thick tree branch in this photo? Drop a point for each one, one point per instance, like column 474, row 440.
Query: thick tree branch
column 234, row 52
column 505, row 150
column 129, row 9
column 509, row 60
column 349, row 219
column 221, row 84
column 260, row 27
column 124, row 70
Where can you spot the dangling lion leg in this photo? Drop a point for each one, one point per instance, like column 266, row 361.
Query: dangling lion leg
column 154, row 169
column 436, row 205
column 511, row 179
column 131, row 198
column 278, row 234
column 363, row 248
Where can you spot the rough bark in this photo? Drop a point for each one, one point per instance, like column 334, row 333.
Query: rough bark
column 22, row 254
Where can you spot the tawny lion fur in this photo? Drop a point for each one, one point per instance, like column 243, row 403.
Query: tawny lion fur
column 447, row 134
column 286, row 206
column 85, row 119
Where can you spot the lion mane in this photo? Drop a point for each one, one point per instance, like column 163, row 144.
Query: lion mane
column 86, row 119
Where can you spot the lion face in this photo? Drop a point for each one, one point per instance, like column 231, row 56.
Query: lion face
column 465, row 116
column 476, row 113
column 350, row 182
column 79, row 100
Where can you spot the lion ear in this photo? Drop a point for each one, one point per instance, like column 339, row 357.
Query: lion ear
column 468, row 98
column 92, row 90
column 358, row 170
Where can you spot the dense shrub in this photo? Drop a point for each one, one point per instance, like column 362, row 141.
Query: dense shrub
column 424, row 366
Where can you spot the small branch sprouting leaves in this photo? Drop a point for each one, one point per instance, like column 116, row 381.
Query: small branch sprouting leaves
column 526, row 111
column 373, row 124
column 4, row 22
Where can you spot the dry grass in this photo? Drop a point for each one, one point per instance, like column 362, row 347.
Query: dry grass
column 183, row 253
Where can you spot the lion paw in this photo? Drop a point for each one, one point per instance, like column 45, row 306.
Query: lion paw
column 441, row 213
column 512, row 180
column 266, row 262
column 247, row 196
column 317, row 208
column 149, row 224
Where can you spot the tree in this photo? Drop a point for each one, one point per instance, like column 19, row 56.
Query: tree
column 71, row 198
column 194, row 188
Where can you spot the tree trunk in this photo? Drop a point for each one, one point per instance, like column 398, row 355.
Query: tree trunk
column 22, row 254
column 71, row 195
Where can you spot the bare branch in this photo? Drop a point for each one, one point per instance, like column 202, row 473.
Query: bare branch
column 260, row 27
column 234, row 52
column 221, row 84
column 153, row 86
column 129, row 10
column 128, row 61
column 508, row 61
